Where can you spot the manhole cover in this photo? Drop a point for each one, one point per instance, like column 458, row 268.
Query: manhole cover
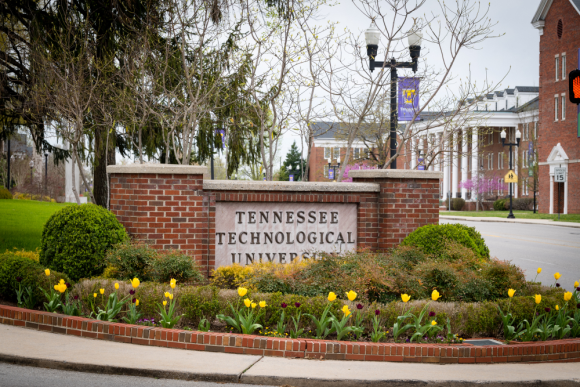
column 483, row 342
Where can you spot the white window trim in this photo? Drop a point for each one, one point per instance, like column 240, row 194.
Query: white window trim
column 557, row 65
column 556, row 103
column 563, row 65
column 563, row 107
column 335, row 153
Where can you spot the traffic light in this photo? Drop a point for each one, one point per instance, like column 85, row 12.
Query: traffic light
column 575, row 86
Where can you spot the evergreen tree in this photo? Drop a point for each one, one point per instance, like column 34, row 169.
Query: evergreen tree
column 294, row 164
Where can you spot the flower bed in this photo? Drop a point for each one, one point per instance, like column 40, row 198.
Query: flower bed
column 552, row 351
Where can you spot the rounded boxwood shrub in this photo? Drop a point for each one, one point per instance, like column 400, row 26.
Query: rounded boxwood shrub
column 499, row 205
column 5, row 194
column 431, row 239
column 130, row 259
column 457, row 204
column 482, row 249
column 75, row 240
column 15, row 269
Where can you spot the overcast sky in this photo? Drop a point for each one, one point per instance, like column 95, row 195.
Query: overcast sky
column 518, row 48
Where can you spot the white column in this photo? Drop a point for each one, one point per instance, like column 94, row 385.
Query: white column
column 446, row 155
column 551, row 193
column 474, row 159
column 566, row 193
column 413, row 154
column 455, row 161
column 464, row 162
column 421, row 149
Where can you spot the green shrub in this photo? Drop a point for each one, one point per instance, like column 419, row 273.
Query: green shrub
column 30, row 273
column 75, row 240
column 482, row 249
column 521, row 204
column 431, row 239
column 170, row 264
column 130, row 259
column 499, row 205
column 435, row 276
column 503, row 275
column 5, row 194
column 457, row 204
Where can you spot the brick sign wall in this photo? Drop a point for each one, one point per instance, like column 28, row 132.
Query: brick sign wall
column 172, row 207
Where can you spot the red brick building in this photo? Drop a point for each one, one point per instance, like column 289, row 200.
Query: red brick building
column 558, row 22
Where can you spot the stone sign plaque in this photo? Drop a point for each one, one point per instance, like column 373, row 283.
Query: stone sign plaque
column 282, row 232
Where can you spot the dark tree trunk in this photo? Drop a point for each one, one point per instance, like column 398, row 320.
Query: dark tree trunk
column 100, row 174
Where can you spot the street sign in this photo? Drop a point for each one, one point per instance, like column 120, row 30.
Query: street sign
column 511, row 177
column 559, row 175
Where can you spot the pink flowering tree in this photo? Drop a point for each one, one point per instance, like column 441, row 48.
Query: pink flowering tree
column 482, row 186
column 347, row 179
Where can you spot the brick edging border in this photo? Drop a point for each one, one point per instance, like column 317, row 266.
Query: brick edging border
column 567, row 350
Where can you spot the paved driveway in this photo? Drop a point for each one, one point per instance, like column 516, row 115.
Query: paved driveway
column 554, row 249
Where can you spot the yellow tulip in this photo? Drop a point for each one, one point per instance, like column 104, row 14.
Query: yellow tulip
column 351, row 295
column 242, row 291
column 254, row 305
column 557, row 307
column 405, row 297
column 47, row 272
column 166, row 294
column 136, row 302
column 539, row 270
column 435, row 295
column 511, row 292
column 262, row 304
column 61, row 281
column 331, row 296
column 116, row 286
column 171, row 296
column 102, row 291
column 345, row 310
column 557, row 276
column 433, row 322
column 95, row 295
column 164, row 303
column 135, row 282
column 172, row 283
column 538, row 298
column 567, row 296
column 247, row 302
column 576, row 284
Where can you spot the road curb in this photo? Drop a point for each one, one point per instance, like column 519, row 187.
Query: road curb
column 499, row 220
column 265, row 379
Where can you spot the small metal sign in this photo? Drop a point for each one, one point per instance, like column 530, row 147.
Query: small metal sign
column 511, row 177
column 559, row 175
column 331, row 173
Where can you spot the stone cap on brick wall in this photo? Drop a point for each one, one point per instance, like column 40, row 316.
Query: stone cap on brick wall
column 248, row 185
column 158, row 168
column 393, row 174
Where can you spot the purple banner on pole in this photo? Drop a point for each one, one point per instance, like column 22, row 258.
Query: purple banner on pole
column 222, row 134
column 331, row 173
column 408, row 98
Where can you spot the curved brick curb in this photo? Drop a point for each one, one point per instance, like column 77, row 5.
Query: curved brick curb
column 552, row 351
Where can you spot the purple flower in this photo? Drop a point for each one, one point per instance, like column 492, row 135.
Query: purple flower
column 76, row 297
column 297, row 304
column 548, row 310
column 407, row 341
column 359, row 306
column 557, row 285
column 18, row 279
column 133, row 300
column 431, row 314
column 131, row 292
column 578, row 288
column 578, row 306
column 67, row 285
column 377, row 312
column 284, row 305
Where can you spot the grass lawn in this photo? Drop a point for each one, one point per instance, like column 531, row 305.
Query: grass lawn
column 519, row 214
column 21, row 222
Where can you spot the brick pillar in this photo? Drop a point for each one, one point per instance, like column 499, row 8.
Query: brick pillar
column 408, row 200
column 163, row 205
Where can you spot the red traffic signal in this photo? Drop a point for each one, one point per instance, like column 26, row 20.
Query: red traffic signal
column 575, row 86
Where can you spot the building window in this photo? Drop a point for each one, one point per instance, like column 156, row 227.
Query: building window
column 365, row 153
column 557, row 67
column 327, row 152
column 490, row 138
column 556, row 108
column 490, row 161
column 536, row 130
column 525, row 159
column 500, row 157
column 480, row 162
column 356, row 153
column 326, row 171
column 526, row 131
column 563, row 106
column 502, row 186
column 564, row 66
column 336, row 153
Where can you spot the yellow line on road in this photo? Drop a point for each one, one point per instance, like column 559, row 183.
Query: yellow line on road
column 533, row 241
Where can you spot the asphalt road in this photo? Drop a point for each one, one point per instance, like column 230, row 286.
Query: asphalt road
column 21, row 376
column 554, row 249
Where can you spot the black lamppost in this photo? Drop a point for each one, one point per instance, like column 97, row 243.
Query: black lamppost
column 372, row 38
column 517, row 143
column 295, row 172
column 31, row 166
column 333, row 167
column 45, row 173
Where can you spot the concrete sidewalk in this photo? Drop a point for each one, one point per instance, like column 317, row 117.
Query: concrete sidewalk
column 546, row 222
column 49, row 350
